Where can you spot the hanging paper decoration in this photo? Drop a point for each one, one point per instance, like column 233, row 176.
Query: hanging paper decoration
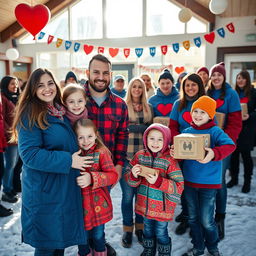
column 50, row 38
column 139, row 51
column 164, row 49
column 12, row 54
column 186, row 44
column 59, row 42
column 113, row 52
column 126, row 52
column 221, row 32
column 41, row 35
column 68, row 44
column 32, row 18
column 88, row 48
column 197, row 41
column 231, row 27
column 101, row 49
column 179, row 70
column 152, row 51
column 76, row 46
column 176, row 47
column 210, row 37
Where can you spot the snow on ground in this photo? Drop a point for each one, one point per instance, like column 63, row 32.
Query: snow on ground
column 240, row 239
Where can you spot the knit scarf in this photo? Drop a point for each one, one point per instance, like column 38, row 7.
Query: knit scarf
column 73, row 117
column 57, row 110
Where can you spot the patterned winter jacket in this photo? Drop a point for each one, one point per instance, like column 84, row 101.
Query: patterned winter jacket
column 97, row 203
column 156, row 201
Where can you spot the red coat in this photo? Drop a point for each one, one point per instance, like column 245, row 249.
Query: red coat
column 97, row 203
column 3, row 143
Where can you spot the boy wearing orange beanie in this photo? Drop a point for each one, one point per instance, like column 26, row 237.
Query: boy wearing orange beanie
column 203, row 178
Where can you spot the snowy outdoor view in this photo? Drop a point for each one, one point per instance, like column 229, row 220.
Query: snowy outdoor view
column 240, row 239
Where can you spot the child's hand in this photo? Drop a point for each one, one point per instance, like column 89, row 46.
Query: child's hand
column 136, row 170
column 209, row 156
column 151, row 178
column 81, row 162
column 172, row 150
column 84, row 180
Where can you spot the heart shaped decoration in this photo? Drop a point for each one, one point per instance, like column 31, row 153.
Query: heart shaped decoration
column 164, row 109
column 88, row 48
column 219, row 103
column 210, row 37
column 33, row 19
column 187, row 117
column 113, row 52
column 179, row 70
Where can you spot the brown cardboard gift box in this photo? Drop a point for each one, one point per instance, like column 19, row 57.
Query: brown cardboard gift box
column 145, row 170
column 165, row 120
column 244, row 109
column 220, row 117
column 191, row 146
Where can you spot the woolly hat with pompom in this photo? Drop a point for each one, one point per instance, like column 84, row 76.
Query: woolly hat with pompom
column 220, row 67
column 166, row 75
column 205, row 69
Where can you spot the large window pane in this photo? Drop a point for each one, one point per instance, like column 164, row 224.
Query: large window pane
column 196, row 26
column 124, row 18
column 86, row 21
column 162, row 18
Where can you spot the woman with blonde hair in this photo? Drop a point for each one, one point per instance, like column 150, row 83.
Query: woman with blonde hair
column 140, row 117
column 149, row 84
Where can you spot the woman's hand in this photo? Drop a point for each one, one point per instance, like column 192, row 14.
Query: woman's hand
column 84, row 180
column 81, row 162
column 151, row 178
column 245, row 117
column 209, row 156
column 136, row 170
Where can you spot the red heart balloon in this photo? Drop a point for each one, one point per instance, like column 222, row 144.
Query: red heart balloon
column 210, row 37
column 33, row 19
column 179, row 70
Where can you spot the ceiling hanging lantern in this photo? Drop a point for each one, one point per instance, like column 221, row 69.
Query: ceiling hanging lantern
column 12, row 54
column 185, row 15
column 218, row 6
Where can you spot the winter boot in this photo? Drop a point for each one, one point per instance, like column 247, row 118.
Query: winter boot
column 220, row 222
column 149, row 245
column 233, row 182
column 110, row 250
column 180, row 217
column 247, row 185
column 100, row 253
column 182, row 227
column 139, row 232
column 127, row 236
column 165, row 249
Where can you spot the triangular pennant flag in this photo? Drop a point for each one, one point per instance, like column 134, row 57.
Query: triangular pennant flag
column 139, row 51
column 59, row 42
column 221, row 32
column 176, row 47
column 164, row 49
column 76, row 46
column 50, row 38
column 101, row 49
column 210, row 37
column 152, row 51
column 113, row 52
column 88, row 48
column 231, row 27
column 186, row 44
column 68, row 44
column 197, row 41
column 126, row 52
column 41, row 35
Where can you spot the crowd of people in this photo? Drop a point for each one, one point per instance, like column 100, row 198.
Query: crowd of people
column 72, row 143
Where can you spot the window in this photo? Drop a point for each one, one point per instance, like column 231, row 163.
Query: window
column 124, row 18
column 86, row 20
column 196, row 26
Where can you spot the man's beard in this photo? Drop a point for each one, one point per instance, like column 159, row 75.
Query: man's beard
column 92, row 84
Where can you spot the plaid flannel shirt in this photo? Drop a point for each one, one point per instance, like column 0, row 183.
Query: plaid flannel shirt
column 111, row 119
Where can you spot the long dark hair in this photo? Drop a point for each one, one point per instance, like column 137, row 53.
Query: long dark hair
column 30, row 105
column 13, row 97
column 201, row 90
column 247, row 88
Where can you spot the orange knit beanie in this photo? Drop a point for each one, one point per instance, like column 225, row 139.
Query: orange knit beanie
column 207, row 104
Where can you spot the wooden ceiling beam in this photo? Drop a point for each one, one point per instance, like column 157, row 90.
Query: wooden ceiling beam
column 198, row 9
column 15, row 30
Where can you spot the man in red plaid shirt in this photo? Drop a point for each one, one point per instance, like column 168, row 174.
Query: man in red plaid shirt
column 108, row 112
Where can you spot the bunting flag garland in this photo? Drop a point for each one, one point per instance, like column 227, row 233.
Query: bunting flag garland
column 113, row 52
column 155, row 70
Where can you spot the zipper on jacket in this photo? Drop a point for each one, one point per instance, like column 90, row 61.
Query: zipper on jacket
column 163, row 201
column 152, row 164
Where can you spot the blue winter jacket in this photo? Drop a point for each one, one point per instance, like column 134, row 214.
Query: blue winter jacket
column 52, row 215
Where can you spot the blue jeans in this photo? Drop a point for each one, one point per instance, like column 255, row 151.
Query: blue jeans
column 10, row 159
column 201, row 204
column 221, row 197
column 49, row 252
column 128, row 194
column 98, row 237
column 157, row 229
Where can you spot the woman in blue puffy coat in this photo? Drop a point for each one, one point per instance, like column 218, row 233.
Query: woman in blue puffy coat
column 52, row 215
